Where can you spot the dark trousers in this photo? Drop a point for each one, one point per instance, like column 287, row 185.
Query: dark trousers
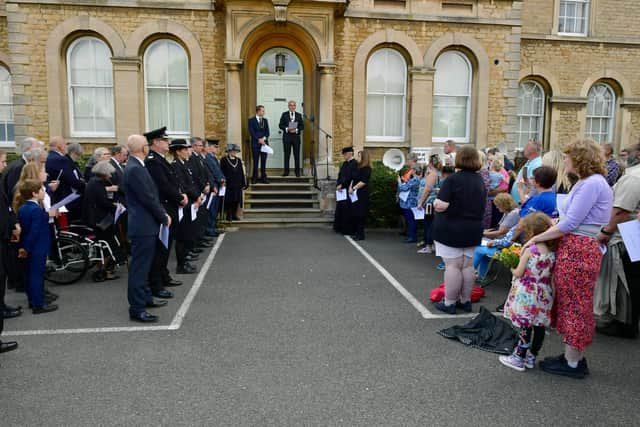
column 142, row 256
column 15, row 276
column 3, row 280
column 358, row 226
column 213, row 215
column 287, row 155
column 36, row 263
column 159, row 273
column 412, row 225
column 428, row 233
column 632, row 273
column 259, row 156
column 182, row 249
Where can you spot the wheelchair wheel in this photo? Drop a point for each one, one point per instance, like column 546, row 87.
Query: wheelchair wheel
column 69, row 264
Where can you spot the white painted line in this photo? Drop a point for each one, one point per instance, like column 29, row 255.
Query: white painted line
column 175, row 323
column 182, row 311
column 87, row 330
column 406, row 294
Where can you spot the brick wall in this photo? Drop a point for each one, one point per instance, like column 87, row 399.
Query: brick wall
column 208, row 28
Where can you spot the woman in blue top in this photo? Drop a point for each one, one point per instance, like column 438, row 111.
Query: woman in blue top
column 410, row 190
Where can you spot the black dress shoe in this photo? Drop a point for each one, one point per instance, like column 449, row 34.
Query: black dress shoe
column 192, row 257
column 174, row 282
column 186, row 269
column 11, row 313
column 8, row 346
column 196, row 250
column 206, row 245
column 47, row 308
column 285, row 174
column 51, row 294
column 156, row 303
column 144, row 317
column 163, row 293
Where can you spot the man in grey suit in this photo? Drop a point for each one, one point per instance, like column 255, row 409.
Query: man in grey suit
column 146, row 214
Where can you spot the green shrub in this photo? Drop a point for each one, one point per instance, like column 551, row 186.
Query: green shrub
column 383, row 208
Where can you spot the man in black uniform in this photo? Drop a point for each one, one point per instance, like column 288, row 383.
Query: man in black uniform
column 188, row 230
column 348, row 172
column 8, row 228
column 202, row 179
column 171, row 198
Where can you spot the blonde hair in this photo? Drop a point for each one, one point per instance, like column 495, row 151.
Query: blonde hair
column 554, row 159
column 587, row 157
column 505, row 202
column 497, row 163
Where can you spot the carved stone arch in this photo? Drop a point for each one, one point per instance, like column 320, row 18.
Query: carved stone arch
column 136, row 43
column 56, row 73
column 5, row 60
column 481, row 77
column 608, row 74
column 544, row 74
column 388, row 36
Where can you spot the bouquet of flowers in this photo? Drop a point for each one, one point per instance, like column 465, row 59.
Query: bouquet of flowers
column 509, row 256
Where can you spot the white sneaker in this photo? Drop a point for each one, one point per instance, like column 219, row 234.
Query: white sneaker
column 426, row 250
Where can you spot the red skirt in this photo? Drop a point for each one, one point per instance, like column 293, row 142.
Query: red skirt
column 574, row 279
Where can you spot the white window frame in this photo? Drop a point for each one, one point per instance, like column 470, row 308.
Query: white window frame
column 611, row 117
column 167, row 88
column 467, row 138
column 382, row 138
column 70, row 87
column 540, row 115
column 8, row 143
column 587, row 16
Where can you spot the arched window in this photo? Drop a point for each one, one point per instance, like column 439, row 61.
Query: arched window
column 531, row 104
column 386, row 96
column 90, row 81
column 7, row 134
column 600, row 113
column 166, row 83
column 452, row 97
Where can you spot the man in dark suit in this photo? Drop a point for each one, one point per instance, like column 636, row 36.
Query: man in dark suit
column 8, row 227
column 171, row 197
column 146, row 214
column 292, row 125
column 259, row 131
column 11, row 174
column 62, row 167
column 213, row 164
column 119, row 155
column 202, row 179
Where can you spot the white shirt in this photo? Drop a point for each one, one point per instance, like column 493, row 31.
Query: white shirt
column 292, row 115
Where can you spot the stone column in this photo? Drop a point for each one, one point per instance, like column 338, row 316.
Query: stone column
column 421, row 106
column 127, row 102
column 234, row 101
column 324, row 154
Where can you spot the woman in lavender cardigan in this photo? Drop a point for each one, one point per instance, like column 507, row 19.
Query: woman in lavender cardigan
column 586, row 209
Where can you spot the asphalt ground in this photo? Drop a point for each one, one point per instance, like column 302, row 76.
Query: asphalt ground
column 294, row 327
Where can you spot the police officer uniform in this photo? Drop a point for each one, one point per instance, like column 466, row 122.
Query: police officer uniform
column 187, row 229
column 170, row 197
column 201, row 179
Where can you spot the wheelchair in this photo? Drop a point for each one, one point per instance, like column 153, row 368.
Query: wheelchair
column 75, row 251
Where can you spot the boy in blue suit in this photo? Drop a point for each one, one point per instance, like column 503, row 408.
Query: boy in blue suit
column 34, row 244
column 259, row 131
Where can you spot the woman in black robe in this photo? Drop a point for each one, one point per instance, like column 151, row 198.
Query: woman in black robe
column 233, row 170
column 360, row 186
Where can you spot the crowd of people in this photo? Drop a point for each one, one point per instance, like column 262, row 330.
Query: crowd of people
column 122, row 196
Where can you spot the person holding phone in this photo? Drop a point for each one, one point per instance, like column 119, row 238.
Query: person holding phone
column 522, row 188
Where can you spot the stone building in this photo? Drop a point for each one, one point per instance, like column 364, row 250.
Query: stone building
column 380, row 74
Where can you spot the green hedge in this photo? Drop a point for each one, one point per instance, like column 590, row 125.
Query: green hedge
column 383, row 208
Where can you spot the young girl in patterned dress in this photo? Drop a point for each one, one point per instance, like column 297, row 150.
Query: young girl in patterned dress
column 530, row 299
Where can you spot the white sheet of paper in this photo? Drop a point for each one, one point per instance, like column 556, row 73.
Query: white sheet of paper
column 630, row 232
column 194, row 213
column 163, row 235
column 70, row 198
column 484, row 241
column 404, row 195
column 180, row 213
column 211, row 196
column 341, row 195
column 120, row 209
column 418, row 213
column 354, row 196
column 266, row 149
column 222, row 191
column 63, row 209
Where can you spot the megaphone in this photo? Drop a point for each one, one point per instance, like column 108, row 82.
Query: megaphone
column 393, row 159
